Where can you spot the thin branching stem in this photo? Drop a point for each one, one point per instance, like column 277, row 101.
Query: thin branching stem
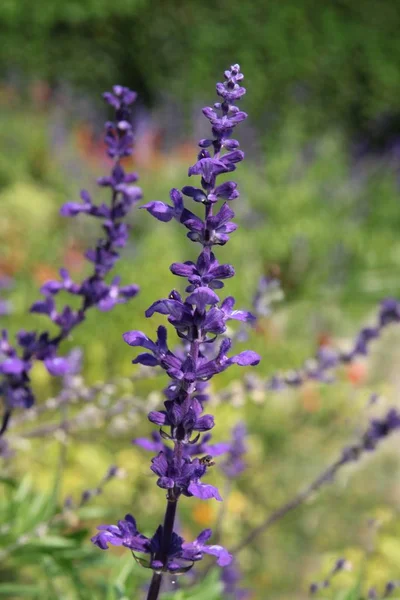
column 325, row 477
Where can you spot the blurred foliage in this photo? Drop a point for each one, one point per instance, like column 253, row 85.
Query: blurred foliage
column 334, row 62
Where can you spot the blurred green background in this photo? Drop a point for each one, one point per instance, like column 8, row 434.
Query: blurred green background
column 319, row 209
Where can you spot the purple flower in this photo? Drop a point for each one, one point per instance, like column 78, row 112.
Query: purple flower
column 362, row 342
column 381, row 428
column 94, row 290
column 125, row 533
column 378, row 430
column 209, row 168
column 192, row 550
column 234, row 464
column 182, row 420
column 183, row 477
column 205, row 272
column 390, row 312
column 165, row 212
column 198, row 318
column 230, row 577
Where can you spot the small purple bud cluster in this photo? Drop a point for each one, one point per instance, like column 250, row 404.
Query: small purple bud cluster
column 93, row 291
column 199, row 318
column 329, row 358
column 341, row 565
column 378, row 430
column 390, row 587
column 89, row 494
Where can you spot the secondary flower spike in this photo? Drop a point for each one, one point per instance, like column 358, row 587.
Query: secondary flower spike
column 199, row 317
column 17, row 361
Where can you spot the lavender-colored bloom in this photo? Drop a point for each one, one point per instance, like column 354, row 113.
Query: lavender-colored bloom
column 268, row 291
column 165, row 212
column 203, row 447
column 125, row 533
column 205, row 272
column 234, row 464
column 194, row 550
column 183, row 477
column 230, row 578
column 94, row 291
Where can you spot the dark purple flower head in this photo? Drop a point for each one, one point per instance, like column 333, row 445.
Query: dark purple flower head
column 125, row 533
column 230, row 90
column 381, row 428
column 378, row 430
column 390, row 312
column 390, row 587
column 205, row 272
column 183, row 476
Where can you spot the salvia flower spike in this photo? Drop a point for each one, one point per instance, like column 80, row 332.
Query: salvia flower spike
column 198, row 318
column 94, row 291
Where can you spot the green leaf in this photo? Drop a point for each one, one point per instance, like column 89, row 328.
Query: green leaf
column 53, row 541
column 9, row 481
column 16, row 589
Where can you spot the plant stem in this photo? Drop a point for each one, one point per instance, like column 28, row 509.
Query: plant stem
column 155, row 586
column 325, row 477
column 169, row 520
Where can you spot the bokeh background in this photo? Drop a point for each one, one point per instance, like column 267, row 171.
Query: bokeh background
column 319, row 210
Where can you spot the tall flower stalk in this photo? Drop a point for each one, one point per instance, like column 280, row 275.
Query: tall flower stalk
column 199, row 318
column 16, row 361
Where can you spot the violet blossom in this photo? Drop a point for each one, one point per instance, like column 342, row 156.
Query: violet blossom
column 17, row 360
column 177, row 554
column 234, row 465
column 230, row 578
column 198, row 319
